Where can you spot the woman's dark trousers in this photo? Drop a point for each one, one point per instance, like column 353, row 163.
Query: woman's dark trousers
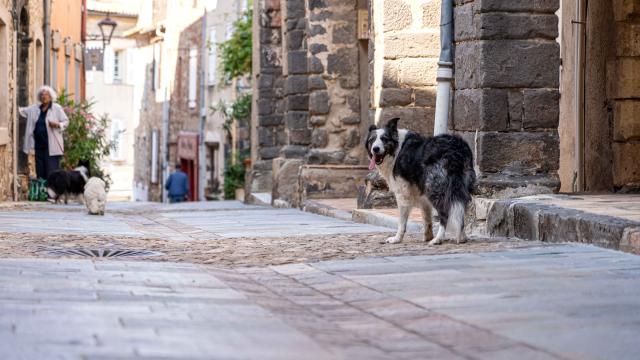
column 46, row 164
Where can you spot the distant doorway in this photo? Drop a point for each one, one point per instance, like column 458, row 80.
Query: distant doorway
column 189, row 167
column 24, row 41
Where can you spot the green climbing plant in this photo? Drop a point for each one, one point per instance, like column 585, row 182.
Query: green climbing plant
column 236, row 52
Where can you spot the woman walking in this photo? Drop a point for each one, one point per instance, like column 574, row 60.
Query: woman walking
column 46, row 121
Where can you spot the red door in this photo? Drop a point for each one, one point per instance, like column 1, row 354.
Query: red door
column 188, row 166
column 188, row 155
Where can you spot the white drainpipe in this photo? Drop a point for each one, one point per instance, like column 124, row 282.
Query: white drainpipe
column 445, row 69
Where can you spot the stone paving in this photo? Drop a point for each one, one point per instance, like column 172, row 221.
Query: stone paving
column 526, row 301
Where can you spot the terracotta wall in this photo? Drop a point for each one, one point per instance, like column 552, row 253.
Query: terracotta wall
column 66, row 24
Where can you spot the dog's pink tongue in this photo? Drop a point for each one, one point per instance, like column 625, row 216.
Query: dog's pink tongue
column 372, row 164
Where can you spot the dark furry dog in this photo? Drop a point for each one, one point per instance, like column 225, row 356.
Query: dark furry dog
column 425, row 172
column 64, row 183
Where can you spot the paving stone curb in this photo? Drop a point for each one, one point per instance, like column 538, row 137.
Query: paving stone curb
column 529, row 220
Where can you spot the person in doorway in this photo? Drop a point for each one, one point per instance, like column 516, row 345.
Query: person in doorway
column 46, row 121
column 177, row 185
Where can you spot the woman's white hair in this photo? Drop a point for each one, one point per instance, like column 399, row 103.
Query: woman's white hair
column 49, row 89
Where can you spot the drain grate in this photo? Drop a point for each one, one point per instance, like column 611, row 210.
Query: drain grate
column 101, row 253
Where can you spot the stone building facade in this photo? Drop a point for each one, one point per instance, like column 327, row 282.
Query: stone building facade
column 324, row 70
column 332, row 68
column 21, row 73
column 308, row 78
column 506, row 92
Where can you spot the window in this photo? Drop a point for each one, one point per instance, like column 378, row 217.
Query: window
column 108, row 62
column 156, row 66
column 154, row 156
column 39, row 68
column 54, row 68
column 193, row 68
column 230, row 29
column 77, row 82
column 128, row 66
column 4, row 79
column 116, row 137
column 89, row 75
column 117, row 66
column 67, row 61
column 213, row 57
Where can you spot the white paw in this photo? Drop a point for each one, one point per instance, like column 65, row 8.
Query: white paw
column 393, row 240
column 462, row 240
column 436, row 241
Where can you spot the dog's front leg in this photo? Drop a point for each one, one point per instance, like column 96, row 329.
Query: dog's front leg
column 405, row 210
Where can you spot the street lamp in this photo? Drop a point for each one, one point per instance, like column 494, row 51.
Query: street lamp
column 107, row 26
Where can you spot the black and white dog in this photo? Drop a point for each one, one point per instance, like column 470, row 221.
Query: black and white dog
column 425, row 172
column 67, row 183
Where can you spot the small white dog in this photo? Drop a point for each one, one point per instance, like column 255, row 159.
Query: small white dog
column 95, row 196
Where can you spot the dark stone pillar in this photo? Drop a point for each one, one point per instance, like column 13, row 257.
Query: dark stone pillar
column 506, row 100
column 296, row 89
column 268, row 117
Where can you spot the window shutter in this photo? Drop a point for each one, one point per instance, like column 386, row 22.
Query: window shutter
column 107, row 65
column 128, row 65
column 193, row 69
column 213, row 57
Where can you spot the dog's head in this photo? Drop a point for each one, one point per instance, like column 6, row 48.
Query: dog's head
column 382, row 142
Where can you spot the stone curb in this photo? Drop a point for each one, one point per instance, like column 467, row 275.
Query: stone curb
column 530, row 220
column 371, row 217
column 321, row 209
column 363, row 216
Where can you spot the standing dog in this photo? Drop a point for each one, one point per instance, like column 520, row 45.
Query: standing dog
column 64, row 183
column 95, row 196
column 426, row 172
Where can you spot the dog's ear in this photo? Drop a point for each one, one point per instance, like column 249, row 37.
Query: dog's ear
column 392, row 125
column 372, row 127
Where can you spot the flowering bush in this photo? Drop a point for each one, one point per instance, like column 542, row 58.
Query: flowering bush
column 85, row 137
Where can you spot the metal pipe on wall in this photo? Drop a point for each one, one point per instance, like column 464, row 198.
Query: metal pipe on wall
column 47, row 41
column 579, row 23
column 445, row 69
column 202, row 166
column 14, row 114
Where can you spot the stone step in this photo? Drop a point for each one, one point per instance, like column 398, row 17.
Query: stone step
column 611, row 221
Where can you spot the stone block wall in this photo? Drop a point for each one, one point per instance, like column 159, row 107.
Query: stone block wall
column 406, row 47
column 308, row 91
column 506, row 100
column 624, row 89
column 334, row 83
column 268, row 83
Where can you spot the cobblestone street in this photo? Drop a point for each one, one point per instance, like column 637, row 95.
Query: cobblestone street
column 233, row 281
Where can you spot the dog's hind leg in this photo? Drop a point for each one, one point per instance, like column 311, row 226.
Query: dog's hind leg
column 405, row 210
column 426, row 220
column 456, row 221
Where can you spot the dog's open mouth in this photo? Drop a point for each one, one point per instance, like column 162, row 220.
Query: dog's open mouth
column 375, row 160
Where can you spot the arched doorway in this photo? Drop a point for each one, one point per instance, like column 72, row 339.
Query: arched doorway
column 24, row 41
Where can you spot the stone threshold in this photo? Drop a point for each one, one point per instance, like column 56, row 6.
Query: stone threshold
column 610, row 221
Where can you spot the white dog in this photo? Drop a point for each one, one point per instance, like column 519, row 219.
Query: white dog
column 95, row 196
